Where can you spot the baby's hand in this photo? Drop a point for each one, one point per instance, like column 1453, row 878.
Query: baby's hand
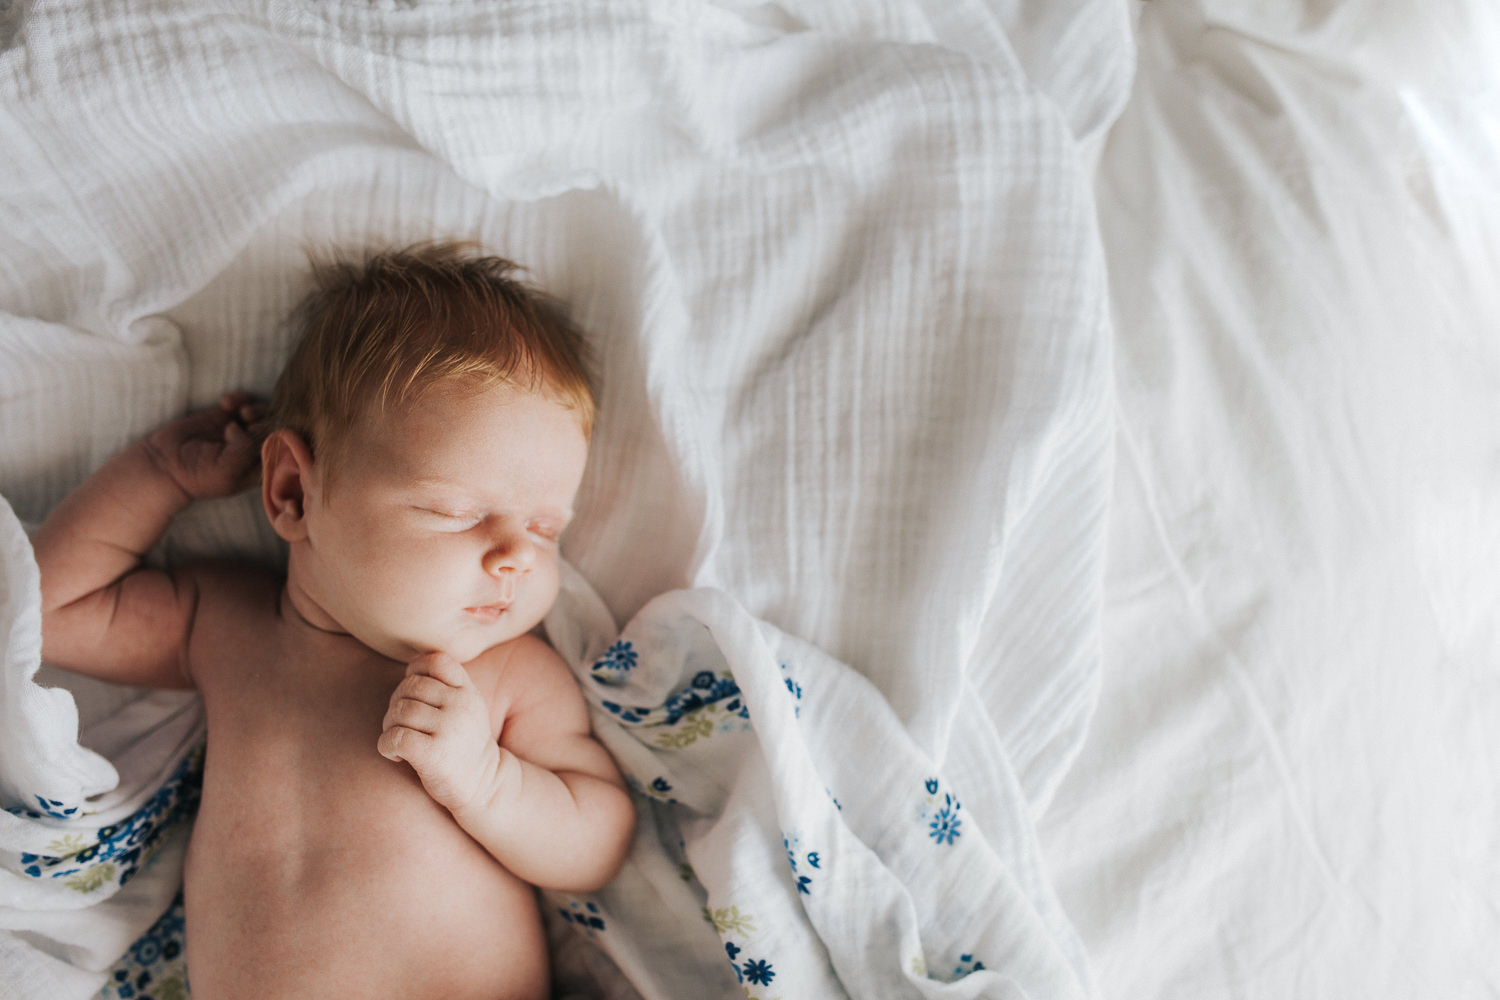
column 439, row 723
column 211, row 453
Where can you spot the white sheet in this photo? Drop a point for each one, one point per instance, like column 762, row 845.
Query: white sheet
column 763, row 838
column 845, row 285
column 1292, row 787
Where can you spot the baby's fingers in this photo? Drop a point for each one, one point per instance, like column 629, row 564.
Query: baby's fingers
column 400, row 743
column 440, row 666
column 411, row 714
column 421, row 687
column 242, row 405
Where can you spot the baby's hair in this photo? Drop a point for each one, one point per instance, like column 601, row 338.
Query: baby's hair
column 376, row 334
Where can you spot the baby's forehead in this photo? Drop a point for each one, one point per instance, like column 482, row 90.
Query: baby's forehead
column 417, row 402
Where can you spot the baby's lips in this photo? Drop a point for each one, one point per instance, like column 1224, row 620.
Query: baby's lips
column 489, row 612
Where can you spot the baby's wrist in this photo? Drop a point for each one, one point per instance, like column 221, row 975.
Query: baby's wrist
column 490, row 793
column 159, row 464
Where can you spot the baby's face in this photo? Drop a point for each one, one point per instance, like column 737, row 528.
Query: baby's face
column 441, row 529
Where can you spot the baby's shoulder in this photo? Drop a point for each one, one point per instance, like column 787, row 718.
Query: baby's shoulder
column 226, row 585
column 234, row 601
column 524, row 653
column 523, row 663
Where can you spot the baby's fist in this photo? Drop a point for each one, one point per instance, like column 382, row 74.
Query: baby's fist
column 211, row 453
column 438, row 723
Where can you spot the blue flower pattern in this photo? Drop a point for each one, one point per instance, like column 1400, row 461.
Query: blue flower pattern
column 155, row 967
column 121, row 848
column 967, row 965
column 585, row 915
column 941, row 815
column 55, row 808
column 810, row 859
column 616, row 663
column 758, row 972
column 944, row 827
column 707, row 688
column 794, row 689
column 755, row 971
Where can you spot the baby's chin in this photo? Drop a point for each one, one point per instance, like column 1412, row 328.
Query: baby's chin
column 463, row 647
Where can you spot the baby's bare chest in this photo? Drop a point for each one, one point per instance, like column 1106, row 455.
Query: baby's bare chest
column 292, row 755
column 304, row 827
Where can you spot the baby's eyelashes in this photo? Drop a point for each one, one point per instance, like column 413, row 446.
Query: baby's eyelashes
column 450, row 520
column 545, row 529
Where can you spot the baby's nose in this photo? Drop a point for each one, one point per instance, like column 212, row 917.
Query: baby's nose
column 512, row 551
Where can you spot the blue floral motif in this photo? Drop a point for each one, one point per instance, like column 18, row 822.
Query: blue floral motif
column 659, row 789
column 56, row 808
column 119, row 849
column 706, row 688
column 583, row 914
column 794, row 689
column 944, row 827
column 940, row 815
column 813, row 859
column 758, row 972
column 967, row 966
column 155, row 967
column 755, row 971
column 616, row 662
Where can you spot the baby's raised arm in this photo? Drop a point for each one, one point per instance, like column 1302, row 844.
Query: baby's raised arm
column 103, row 613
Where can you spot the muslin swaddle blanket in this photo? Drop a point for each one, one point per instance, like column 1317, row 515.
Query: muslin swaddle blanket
column 843, row 278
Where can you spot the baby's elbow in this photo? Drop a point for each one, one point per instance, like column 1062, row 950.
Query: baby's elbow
column 614, row 825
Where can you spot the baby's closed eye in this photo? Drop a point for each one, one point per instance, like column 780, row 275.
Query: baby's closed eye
column 546, row 529
column 450, row 520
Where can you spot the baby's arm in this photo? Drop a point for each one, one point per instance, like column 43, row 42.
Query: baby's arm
column 546, row 799
column 103, row 614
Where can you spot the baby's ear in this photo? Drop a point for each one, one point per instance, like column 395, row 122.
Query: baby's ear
column 286, row 466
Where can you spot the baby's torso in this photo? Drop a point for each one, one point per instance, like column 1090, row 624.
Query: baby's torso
column 319, row 868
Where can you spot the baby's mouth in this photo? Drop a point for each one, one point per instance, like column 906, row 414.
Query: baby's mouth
column 489, row 612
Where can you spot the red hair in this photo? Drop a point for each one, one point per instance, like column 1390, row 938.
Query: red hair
column 377, row 334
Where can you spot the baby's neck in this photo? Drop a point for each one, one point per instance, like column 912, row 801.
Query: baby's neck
column 299, row 608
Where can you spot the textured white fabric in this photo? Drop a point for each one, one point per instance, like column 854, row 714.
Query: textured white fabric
column 59, row 796
column 1292, row 786
column 39, row 741
column 844, row 285
column 790, row 823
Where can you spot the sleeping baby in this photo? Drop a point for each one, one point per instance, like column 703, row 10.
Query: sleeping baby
column 394, row 759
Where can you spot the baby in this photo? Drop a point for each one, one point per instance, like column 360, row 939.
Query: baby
column 393, row 759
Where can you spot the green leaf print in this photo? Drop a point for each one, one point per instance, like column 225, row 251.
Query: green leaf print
column 730, row 919
column 694, row 727
column 91, row 879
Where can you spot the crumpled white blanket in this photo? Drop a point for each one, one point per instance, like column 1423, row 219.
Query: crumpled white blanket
column 794, row 840
column 80, row 823
column 843, row 279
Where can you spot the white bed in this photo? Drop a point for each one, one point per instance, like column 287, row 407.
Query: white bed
column 1088, row 412
column 1290, row 788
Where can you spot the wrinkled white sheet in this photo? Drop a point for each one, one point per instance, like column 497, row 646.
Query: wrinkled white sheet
column 1292, row 786
column 844, row 282
column 789, row 823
